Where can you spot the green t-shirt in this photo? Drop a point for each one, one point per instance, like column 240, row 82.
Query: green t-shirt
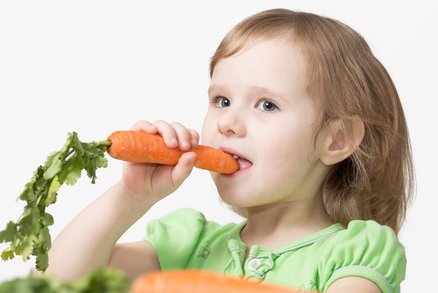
column 184, row 239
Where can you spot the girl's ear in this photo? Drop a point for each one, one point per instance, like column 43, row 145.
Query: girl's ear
column 336, row 143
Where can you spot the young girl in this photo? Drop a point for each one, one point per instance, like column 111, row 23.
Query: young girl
column 325, row 175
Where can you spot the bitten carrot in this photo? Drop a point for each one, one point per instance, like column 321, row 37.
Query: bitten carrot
column 142, row 147
column 199, row 282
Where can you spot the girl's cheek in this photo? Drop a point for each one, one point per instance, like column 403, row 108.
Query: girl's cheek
column 207, row 130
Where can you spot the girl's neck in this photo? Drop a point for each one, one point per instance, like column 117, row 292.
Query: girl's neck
column 278, row 224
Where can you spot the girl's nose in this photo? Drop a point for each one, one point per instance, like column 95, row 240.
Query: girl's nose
column 231, row 124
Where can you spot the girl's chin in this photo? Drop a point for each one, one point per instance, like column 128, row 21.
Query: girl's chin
column 237, row 203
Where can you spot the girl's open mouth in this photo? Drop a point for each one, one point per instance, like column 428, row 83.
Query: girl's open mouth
column 243, row 163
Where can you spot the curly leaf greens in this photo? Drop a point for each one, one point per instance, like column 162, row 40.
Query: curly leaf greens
column 102, row 280
column 30, row 234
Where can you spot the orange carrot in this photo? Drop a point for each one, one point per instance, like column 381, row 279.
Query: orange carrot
column 141, row 147
column 200, row 282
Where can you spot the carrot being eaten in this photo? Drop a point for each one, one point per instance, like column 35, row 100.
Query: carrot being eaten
column 142, row 147
column 30, row 235
column 191, row 281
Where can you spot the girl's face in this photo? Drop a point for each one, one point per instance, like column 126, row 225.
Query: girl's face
column 259, row 111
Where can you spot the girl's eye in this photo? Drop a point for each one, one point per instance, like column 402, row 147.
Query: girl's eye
column 222, row 102
column 267, row 105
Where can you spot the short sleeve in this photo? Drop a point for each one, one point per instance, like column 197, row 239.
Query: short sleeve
column 175, row 237
column 365, row 249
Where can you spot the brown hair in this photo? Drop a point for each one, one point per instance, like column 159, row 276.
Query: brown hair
column 345, row 79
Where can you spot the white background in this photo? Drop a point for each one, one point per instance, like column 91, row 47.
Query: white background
column 99, row 66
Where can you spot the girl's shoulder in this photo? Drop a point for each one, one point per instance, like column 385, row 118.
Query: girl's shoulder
column 364, row 248
column 366, row 237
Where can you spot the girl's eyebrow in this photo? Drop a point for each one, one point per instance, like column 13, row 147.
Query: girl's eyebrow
column 219, row 87
column 269, row 92
column 213, row 88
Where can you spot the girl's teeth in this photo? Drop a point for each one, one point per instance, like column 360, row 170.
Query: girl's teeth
column 235, row 156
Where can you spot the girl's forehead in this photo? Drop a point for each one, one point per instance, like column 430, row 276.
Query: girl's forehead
column 263, row 51
column 277, row 58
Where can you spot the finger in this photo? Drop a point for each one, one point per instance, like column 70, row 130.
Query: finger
column 144, row 126
column 183, row 169
column 167, row 132
column 194, row 137
column 183, row 135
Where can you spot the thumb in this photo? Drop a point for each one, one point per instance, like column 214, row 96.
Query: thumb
column 183, row 169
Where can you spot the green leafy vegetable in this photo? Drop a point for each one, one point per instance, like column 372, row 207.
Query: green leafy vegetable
column 103, row 280
column 30, row 234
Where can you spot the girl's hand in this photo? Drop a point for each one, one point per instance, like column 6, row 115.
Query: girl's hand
column 149, row 183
